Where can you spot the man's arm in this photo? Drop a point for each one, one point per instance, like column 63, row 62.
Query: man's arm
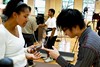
column 85, row 59
column 52, row 33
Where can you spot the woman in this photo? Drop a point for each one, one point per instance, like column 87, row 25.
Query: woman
column 11, row 39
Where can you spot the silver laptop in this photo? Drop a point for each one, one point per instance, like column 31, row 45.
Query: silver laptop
column 66, row 55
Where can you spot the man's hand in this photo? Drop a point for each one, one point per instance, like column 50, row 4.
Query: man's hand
column 53, row 32
column 99, row 27
column 53, row 53
column 42, row 25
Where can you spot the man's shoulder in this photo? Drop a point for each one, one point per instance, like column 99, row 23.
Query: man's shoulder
column 31, row 19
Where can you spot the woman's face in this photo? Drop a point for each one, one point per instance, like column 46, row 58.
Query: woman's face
column 22, row 17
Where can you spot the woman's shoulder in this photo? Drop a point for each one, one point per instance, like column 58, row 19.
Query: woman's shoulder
column 1, row 27
column 2, row 30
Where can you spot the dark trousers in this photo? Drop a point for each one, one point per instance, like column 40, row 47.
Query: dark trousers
column 49, row 43
column 29, row 40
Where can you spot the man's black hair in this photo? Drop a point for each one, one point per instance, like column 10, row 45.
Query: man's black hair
column 52, row 10
column 29, row 8
column 69, row 18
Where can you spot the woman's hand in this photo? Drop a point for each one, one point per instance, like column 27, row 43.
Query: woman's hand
column 32, row 48
column 36, row 55
column 29, row 49
column 53, row 53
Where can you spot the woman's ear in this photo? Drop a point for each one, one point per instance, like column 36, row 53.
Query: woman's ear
column 15, row 15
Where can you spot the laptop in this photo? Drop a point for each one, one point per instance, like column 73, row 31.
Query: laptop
column 66, row 55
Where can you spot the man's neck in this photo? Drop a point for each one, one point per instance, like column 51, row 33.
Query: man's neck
column 51, row 16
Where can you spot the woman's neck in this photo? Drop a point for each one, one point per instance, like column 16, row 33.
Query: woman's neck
column 10, row 25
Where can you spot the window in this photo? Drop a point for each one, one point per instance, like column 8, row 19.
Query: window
column 39, row 6
column 91, row 8
column 25, row 1
column 67, row 4
column 3, row 4
column 5, row 1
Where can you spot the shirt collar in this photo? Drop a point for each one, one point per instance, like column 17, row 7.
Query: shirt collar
column 84, row 34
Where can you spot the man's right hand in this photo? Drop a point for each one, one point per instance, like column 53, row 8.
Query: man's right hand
column 52, row 52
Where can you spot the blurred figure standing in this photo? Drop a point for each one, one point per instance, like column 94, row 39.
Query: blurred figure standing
column 51, row 27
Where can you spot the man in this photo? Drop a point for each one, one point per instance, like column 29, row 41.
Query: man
column 51, row 32
column 72, row 23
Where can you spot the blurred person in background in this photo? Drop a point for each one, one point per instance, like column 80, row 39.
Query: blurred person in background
column 51, row 33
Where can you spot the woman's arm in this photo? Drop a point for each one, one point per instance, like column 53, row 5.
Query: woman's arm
column 2, row 44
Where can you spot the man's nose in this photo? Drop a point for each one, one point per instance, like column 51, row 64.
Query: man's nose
column 26, row 19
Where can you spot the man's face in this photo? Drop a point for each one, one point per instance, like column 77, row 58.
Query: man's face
column 68, row 32
column 50, row 13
